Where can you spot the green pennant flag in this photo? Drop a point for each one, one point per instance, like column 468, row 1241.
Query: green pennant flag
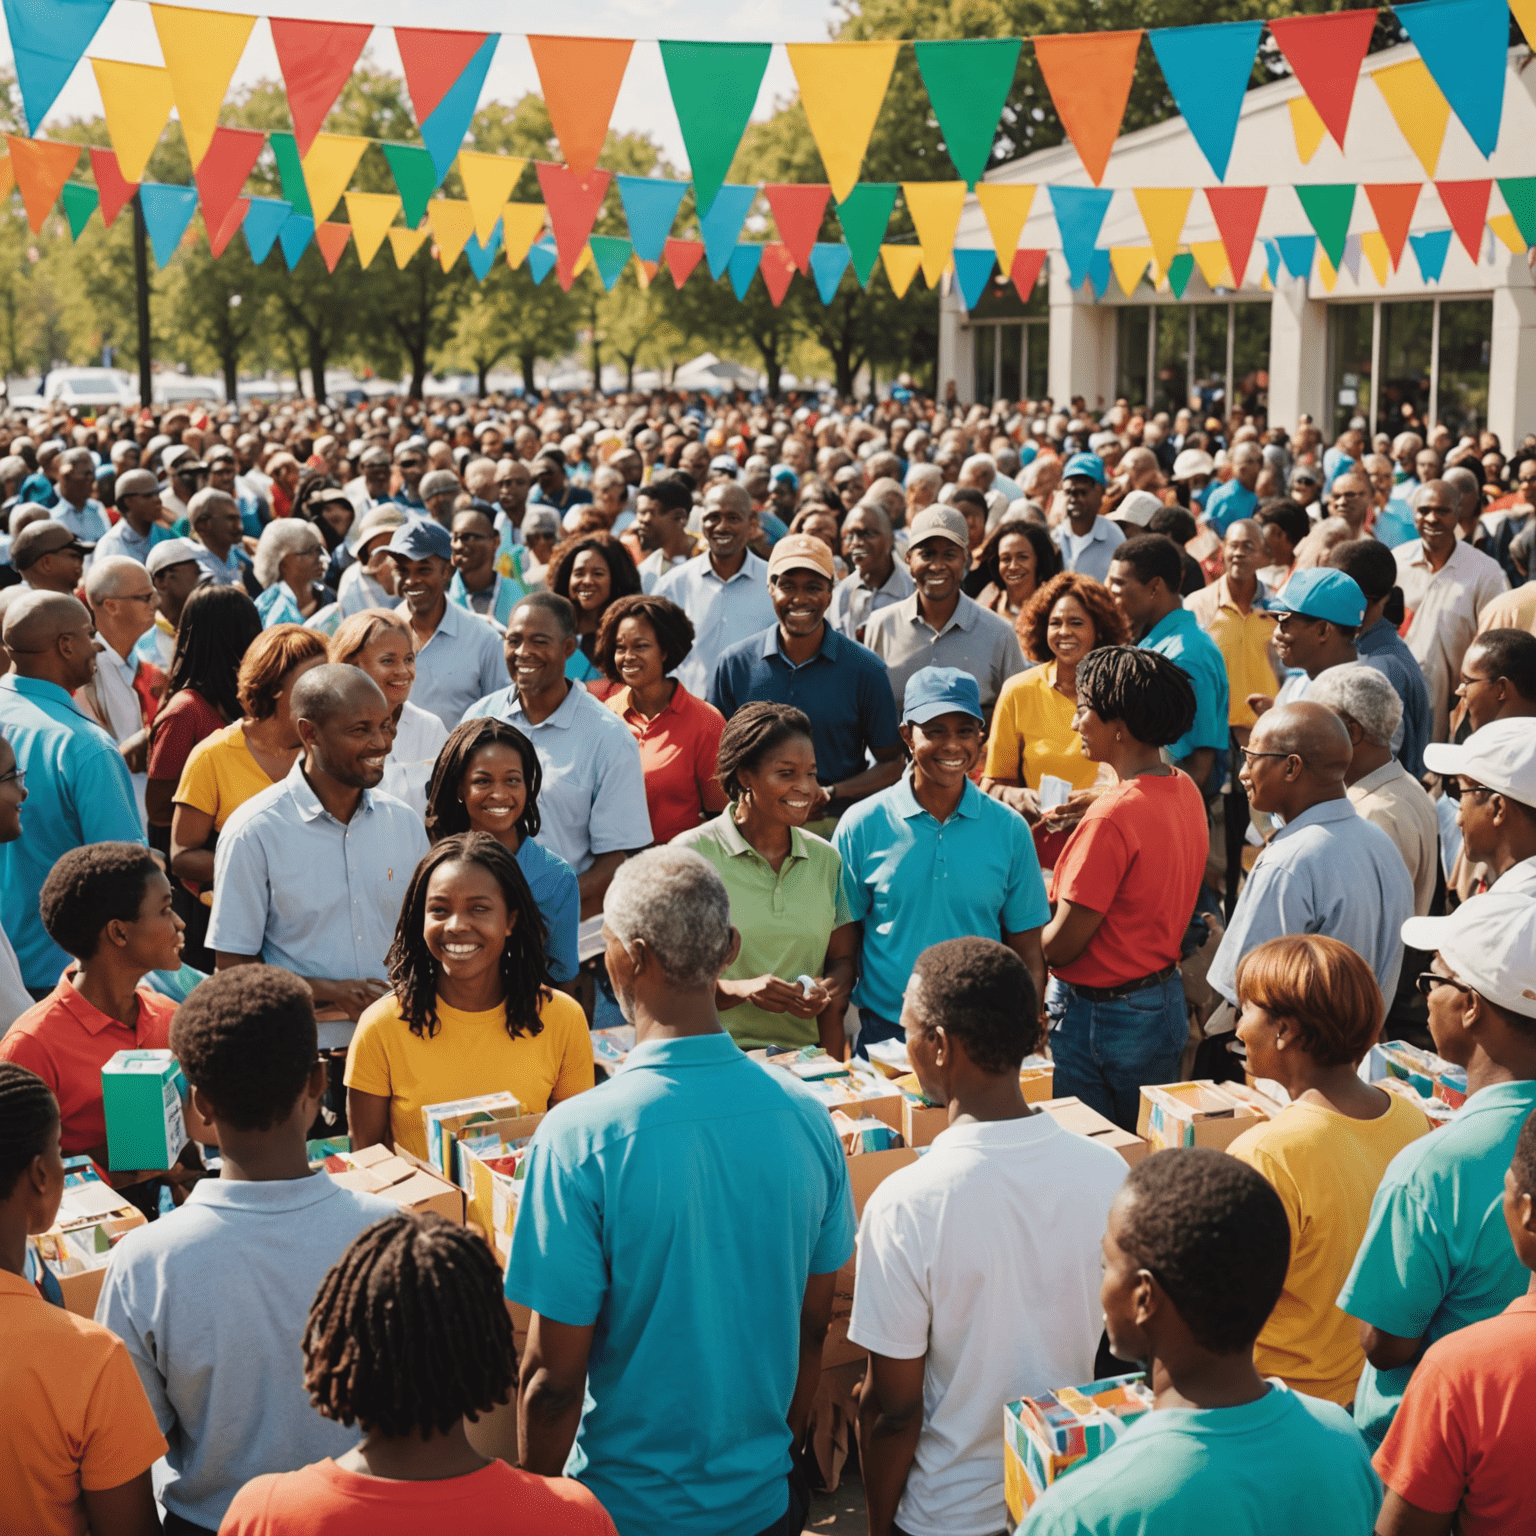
column 1180, row 269
column 968, row 80
column 290, row 168
column 864, row 214
column 1328, row 209
column 1520, row 198
column 80, row 202
column 416, row 179
column 714, row 88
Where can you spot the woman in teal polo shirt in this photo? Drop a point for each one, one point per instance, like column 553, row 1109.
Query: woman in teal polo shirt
column 785, row 886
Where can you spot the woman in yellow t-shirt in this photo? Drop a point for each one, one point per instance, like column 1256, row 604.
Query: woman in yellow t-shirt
column 1310, row 1010
column 472, row 1010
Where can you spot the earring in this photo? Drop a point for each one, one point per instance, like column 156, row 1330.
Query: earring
column 1117, row 736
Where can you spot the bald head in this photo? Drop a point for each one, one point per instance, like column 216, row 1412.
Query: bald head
column 34, row 621
column 116, row 576
column 1311, row 732
column 137, row 482
column 325, row 692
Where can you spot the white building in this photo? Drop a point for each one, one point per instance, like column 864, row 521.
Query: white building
column 1462, row 350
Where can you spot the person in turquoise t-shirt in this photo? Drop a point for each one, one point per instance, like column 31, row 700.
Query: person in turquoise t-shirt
column 1436, row 1256
column 1195, row 1256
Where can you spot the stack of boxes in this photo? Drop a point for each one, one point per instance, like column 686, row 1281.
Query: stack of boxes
column 398, row 1176
column 1199, row 1114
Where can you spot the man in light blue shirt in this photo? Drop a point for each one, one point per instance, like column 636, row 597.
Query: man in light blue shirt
column 311, row 873
column 137, row 530
column 77, row 508
column 678, row 1243
column 1235, row 499
column 1087, row 541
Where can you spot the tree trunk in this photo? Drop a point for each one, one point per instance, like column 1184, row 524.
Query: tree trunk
column 527, row 362
column 230, row 357
column 628, row 359
column 317, row 361
column 418, row 371
column 481, row 369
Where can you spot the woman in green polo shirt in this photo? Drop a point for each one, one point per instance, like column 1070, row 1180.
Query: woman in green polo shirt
column 785, row 886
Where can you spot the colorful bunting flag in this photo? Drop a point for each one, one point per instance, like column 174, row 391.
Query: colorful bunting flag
column 864, row 215
column 1089, row 77
column 1207, row 70
column 743, row 268
column 332, row 240
column 1327, row 273
column 645, row 271
column 1507, row 232
column 1007, row 210
column 482, row 254
column 201, row 50
column 1129, row 264
column 234, row 218
column 973, row 269
column 1215, row 266
column 41, row 168
column 328, row 167
column 650, row 207
column 80, row 203
column 1180, row 270
column 1098, row 273
column 1520, row 198
column 841, row 88
column 778, row 268
column 828, row 261
column 681, row 257
column 1307, row 128
column 452, row 222
column 1237, row 211
column 47, row 41
column 542, row 257
column 1393, row 204
column 1079, row 217
column 1466, row 205
column 290, row 170
column 935, row 207
column 317, row 59
column 294, row 237
column 580, row 78
column 488, row 183
column 1419, row 108
column 721, row 226
column 415, row 177
column 521, row 224
column 1163, row 211
column 136, row 101
column 443, row 130
column 573, row 207
column 1325, row 54
column 370, row 215
column 115, row 190
column 1352, row 256
column 1374, row 248
column 433, row 61
column 404, row 243
column 1025, row 272
column 798, row 209
column 610, row 255
column 901, row 264
column 1465, row 45
column 1296, row 251
column 968, row 80
column 263, row 220
column 714, row 88
column 1430, row 250
column 167, row 212
column 231, row 158
column 1328, row 210
column 1271, row 262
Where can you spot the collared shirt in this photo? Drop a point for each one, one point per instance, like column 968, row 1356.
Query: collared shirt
column 280, row 605
column 693, row 1291
column 89, row 523
column 121, row 702
column 358, row 590
column 461, row 662
column 317, row 896
column 1091, row 553
column 1382, row 647
column 78, row 792
column 419, row 737
column 723, row 612
column 973, row 640
column 680, row 757
column 1330, row 872
column 593, row 798
column 1392, row 799
column 1229, row 503
column 658, row 564
column 1179, row 637
column 1245, row 640
column 1515, row 609
column 557, row 894
column 854, row 600
column 912, row 881
column 843, row 688
column 1518, row 880
column 229, row 572
column 120, row 539
column 497, row 600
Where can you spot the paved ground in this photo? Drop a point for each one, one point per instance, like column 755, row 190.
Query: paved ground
column 840, row 1513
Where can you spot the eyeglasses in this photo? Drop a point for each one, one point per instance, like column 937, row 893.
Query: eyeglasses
column 1456, row 788
column 1426, row 982
column 136, row 597
column 16, row 775
column 1249, row 755
column 410, row 463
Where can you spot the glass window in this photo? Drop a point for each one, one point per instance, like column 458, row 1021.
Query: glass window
column 1349, row 365
column 1402, row 398
column 1131, row 352
column 1010, row 341
column 1466, row 326
column 1250, row 354
column 984, row 341
column 1037, row 361
column 1210, row 364
column 1172, row 357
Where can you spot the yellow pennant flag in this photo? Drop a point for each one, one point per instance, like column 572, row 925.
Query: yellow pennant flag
column 136, row 100
column 901, row 264
column 1307, row 127
column 201, row 49
column 1129, row 263
column 328, row 167
column 643, row 273
column 1006, row 209
column 1504, row 227
column 370, row 214
column 1163, row 211
column 1373, row 246
column 935, row 208
column 488, row 182
column 582, row 262
column 452, row 222
column 841, row 88
column 1211, row 257
column 406, row 242
column 521, row 224
column 1326, row 271
column 1418, row 106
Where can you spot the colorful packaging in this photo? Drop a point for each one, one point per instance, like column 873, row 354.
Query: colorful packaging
column 864, row 1135
column 141, row 1094
column 610, row 1047
column 93, row 1218
column 1037, row 1075
column 1197, row 1114
column 444, row 1121
column 409, row 1182
column 1429, row 1075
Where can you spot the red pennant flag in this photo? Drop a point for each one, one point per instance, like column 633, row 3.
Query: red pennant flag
column 1466, row 203
column 1325, row 54
column 220, row 237
column 573, row 207
column 681, row 257
column 332, row 240
column 110, row 186
column 798, row 210
column 1236, row 211
column 222, row 171
column 317, row 59
column 1025, row 271
column 433, row 62
column 778, row 267
column 1393, row 204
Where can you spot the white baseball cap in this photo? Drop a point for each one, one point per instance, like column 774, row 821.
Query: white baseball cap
column 1138, row 509
column 1501, row 756
column 1489, row 944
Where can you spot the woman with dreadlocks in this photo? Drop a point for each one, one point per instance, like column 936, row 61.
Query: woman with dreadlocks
column 472, row 1010
column 408, row 1337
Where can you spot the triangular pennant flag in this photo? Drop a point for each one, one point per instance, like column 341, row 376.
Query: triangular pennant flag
column 650, row 206
column 973, row 268
column 1327, row 274
column 1215, row 266
column 167, row 212
column 542, row 257
column 1393, row 204
column 582, row 262
column 1373, row 247
column 521, row 225
column 841, row 88
column 452, row 222
column 370, row 215
column 80, row 203
column 1006, row 209
column 1296, row 251
column 968, row 80
column 1464, row 44
column 1307, row 128
column 110, row 183
column 234, row 218
column 714, row 88
column 778, row 268
column 1079, row 217
column 580, row 77
column 681, row 257
column 404, row 243
column 1328, row 210
column 1325, row 54
column 263, row 220
column 316, row 58
column 1163, row 211
column 201, row 50
column 1237, row 211
column 1025, row 272
column 901, row 264
column 1466, row 205
column 644, row 272
column 294, row 237
column 935, row 207
column 488, row 183
column 742, row 268
column 415, row 177
column 1089, row 77
column 610, row 255
column 1129, row 264
column 1418, row 107
column 1430, row 250
column 41, row 169
column 433, row 61
column 864, row 215
column 721, row 226
column 136, row 101
column 1520, row 198
column 230, row 160
column 47, row 41
column 443, row 130
column 328, row 167
column 332, row 240
column 573, row 208
column 1271, row 262
column 482, row 254
column 798, row 209
column 1180, row 270
column 1507, row 232
column 1098, row 273
column 290, row 169
column 828, row 261
column 1207, row 70
column 1352, row 257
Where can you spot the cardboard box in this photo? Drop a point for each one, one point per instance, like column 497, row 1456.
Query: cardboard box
column 397, row 1176
column 921, row 1121
column 495, row 1190
column 1265, row 1107
column 1037, row 1076
column 865, row 1134
column 1430, row 1076
column 867, row 1171
column 481, row 1147
column 1197, row 1114
column 858, row 1094
column 889, row 1058
column 92, row 1219
column 141, row 1093
column 1073, row 1115
column 444, row 1121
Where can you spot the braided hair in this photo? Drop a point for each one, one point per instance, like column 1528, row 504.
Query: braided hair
column 525, row 978
column 28, row 1115
column 446, row 812
column 751, row 734
column 1147, row 693
column 408, row 1332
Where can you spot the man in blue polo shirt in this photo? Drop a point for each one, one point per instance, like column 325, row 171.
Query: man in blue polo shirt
column 1144, row 580
column 1086, row 539
column 932, row 858
column 803, row 661
column 1235, row 498
column 679, row 1251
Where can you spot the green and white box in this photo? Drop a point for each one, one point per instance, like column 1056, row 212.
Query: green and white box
column 141, row 1091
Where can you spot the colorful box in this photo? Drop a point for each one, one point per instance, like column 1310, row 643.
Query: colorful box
column 495, row 1188
column 859, row 1094
column 1429, row 1075
column 889, row 1057
column 398, row 1176
column 92, row 1219
column 867, row 1134
column 141, row 1094
column 444, row 1121
column 1196, row 1114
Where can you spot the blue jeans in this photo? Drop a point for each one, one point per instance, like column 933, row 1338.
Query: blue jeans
column 872, row 1028
column 1105, row 1052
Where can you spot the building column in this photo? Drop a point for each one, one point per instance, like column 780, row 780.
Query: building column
column 1512, row 357
column 1082, row 344
column 1298, row 356
column 956, row 343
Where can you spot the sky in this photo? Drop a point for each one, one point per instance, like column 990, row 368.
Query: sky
column 644, row 103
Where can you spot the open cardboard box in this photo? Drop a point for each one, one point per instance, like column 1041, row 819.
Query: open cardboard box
column 866, row 1172
column 398, row 1176
column 444, row 1121
column 92, row 1218
column 1196, row 1114
column 1073, row 1115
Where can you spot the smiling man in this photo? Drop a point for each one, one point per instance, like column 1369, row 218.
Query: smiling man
column 878, row 579
column 1087, row 540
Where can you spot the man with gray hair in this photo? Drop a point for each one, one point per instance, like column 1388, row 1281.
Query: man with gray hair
column 924, row 482
column 691, row 1220
column 214, row 517
column 77, row 509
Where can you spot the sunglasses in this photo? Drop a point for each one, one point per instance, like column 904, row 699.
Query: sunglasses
column 1426, row 982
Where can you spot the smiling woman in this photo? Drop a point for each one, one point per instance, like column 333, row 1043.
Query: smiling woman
column 591, row 571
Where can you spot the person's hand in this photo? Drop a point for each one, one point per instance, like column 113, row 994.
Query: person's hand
column 775, row 995
column 825, row 796
column 352, row 995
column 1062, row 818
column 1260, row 703
column 1020, row 798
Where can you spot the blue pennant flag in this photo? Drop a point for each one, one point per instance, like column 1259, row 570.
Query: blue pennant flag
column 263, row 219
column 1430, row 250
column 610, row 255
column 650, row 206
column 829, row 260
column 972, row 269
column 47, row 41
column 1207, row 70
column 447, row 123
column 1465, row 46
column 1079, row 217
column 542, row 257
column 1272, row 260
column 297, row 231
column 1297, row 251
column 481, row 256
column 745, row 259
column 167, row 212
column 721, row 226
column 1098, row 272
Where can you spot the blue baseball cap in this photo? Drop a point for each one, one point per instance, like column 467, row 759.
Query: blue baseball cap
column 784, row 472
column 935, row 691
column 1089, row 465
column 1322, row 593
column 420, row 537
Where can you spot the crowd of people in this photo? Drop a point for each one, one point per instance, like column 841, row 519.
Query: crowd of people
column 371, row 758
